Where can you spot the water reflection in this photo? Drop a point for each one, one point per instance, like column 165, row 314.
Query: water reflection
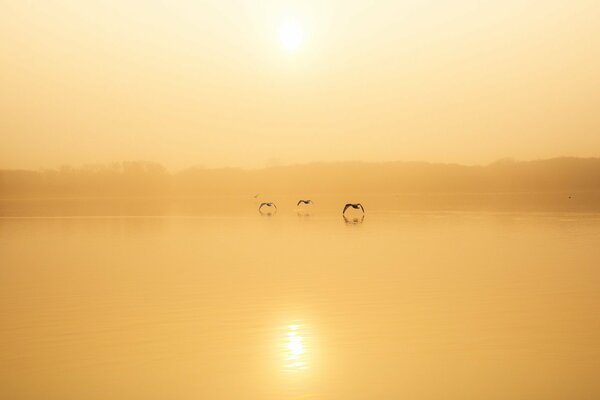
column 355, row 220
column 294, row 312
column 295, row 349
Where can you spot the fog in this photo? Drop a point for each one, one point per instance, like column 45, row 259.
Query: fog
column 151, row 179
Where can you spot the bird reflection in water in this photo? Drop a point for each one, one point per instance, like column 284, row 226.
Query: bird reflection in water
column 295, row 349
column 354, row 220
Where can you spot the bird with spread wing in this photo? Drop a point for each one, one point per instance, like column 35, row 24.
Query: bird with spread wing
column 356, row 206
column 304, row 202
column 268, row 204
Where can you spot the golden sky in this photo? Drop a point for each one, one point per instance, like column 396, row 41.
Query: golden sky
column 224, row 83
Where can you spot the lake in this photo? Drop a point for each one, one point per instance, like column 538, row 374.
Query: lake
column 142, row 300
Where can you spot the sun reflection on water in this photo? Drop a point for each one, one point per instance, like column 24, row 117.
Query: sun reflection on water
column 295, row 349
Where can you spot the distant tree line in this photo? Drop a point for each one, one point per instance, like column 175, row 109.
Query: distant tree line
column 141, row 178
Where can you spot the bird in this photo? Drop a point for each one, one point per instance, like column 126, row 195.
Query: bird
column 304, row 202
column 356, row 206
column 269, row 204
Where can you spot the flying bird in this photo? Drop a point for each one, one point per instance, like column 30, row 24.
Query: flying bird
column 269, row 204
column 304, row 202
column 356, row 206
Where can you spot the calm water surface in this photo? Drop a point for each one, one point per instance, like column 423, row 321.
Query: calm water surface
column 416, row 305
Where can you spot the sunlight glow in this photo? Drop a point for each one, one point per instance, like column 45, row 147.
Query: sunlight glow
column 291, row 35
column 294, row 349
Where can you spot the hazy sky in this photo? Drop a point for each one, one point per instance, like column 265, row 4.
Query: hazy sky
column 212, row 82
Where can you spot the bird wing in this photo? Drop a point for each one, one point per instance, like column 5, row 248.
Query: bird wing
column 261, row 205
column 300, row 201
column 346, row 207
column 361, row 207
column 273, row 204
column 309, row 202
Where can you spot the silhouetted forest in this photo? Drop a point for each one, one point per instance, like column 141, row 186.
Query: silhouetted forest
column 150, row 179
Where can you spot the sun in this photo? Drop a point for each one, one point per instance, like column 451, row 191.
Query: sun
column 291, row 35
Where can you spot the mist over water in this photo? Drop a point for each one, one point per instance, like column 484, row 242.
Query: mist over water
column 138, row 141
column 206, row 298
